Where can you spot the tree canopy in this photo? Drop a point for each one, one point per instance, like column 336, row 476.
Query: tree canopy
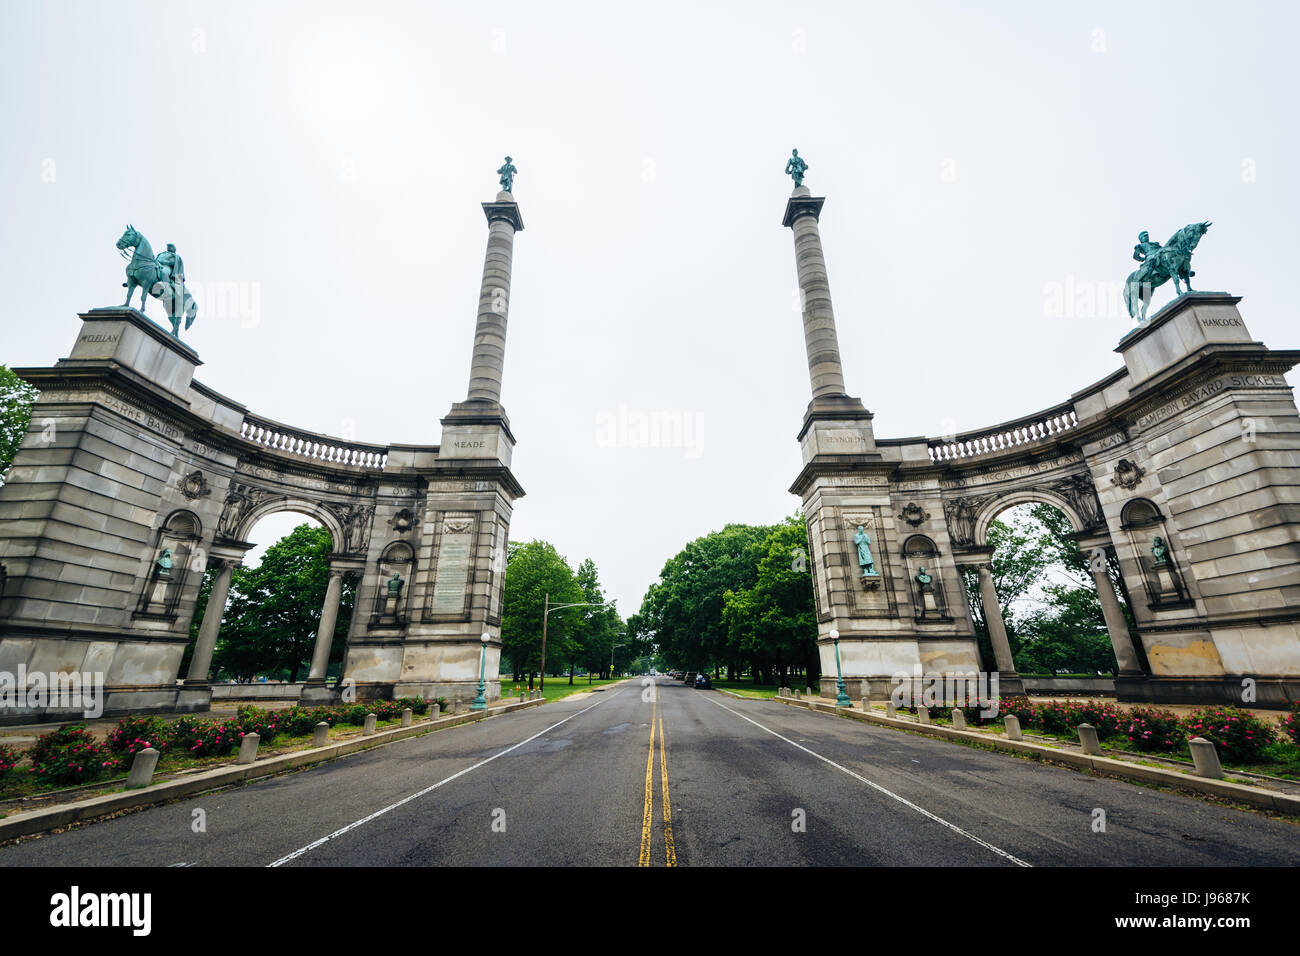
column 16, row 399
column 739, row 597
column 273, row 611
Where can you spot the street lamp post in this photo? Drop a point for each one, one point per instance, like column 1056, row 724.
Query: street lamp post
column 841, row 698
column 611, row 659
column 480, row 702
column 546, row 613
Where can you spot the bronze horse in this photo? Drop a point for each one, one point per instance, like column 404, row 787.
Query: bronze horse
column 152, row 276
column 1173, row 260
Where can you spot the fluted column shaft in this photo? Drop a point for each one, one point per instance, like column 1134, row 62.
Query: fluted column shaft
column 993, row 618
column 1116, row 625
column 329, row 616
column 820, row 338
column 211, row 626
column 493, row 306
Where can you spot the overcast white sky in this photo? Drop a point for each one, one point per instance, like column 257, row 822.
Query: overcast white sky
column 331, row 158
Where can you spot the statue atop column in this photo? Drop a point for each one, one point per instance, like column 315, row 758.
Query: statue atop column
column 507, row 174
column 796, row 167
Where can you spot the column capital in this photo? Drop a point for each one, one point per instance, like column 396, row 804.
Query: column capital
column 802, row 205
column 504, row 211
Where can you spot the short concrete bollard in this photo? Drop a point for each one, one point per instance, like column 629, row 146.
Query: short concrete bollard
column 321, row 735
column 142, row 768
column 1012, row 724
column 1088, row 739
column 796, row 695
column 890, row 709
column 1204, row 756
column 866, row 705
column 434, row 711
column 408, row 716
column 248, row 748
column 369, row 728
column 958, row 719
column 923, row 715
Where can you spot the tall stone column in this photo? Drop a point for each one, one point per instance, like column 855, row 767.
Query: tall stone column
column 1116, row 626
column 997, row 629
column 329, row 616
column 211, row 626
column 494, row 299
column 801, row 214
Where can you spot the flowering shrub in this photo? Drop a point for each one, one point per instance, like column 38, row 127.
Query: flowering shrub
column 1154, row 730
column 1291, row 723
column 300, row 721
column 134, row 734
column 72, row 755
column 1055, row 717
column 354, row 714
column 204, row 738
column 1019, row 707
column 418, row 707
column 267, row 724
column 1238, row 735
column 1104, row 716
column 9, row 757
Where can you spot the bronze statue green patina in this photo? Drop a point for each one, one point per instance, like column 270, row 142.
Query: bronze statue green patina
column 1159, row 551
column 1160, row 263
column 507, row 174
column 162, row 277
column 865, row 560
column 796, row 167
column 923, row 579
column 395, row 584
column 163, row 566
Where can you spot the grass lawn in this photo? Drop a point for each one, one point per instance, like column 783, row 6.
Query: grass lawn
column 747, row 688
column 556, row 687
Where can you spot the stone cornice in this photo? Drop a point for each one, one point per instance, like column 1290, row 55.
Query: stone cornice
column 505, row 212
column 798, row 206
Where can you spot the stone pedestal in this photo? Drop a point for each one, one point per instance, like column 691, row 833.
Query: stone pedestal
column 1214, row 450
column 95, row 495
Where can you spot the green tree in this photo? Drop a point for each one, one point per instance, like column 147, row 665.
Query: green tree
column 270, row 623
column 534, row 571
column 1021, row 554
column 773, row 625
column 16, row 400
column 598, row 626
column 684, row 608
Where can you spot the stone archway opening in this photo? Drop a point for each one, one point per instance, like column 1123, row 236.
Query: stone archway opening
column 285, row 604
column 1061, row 601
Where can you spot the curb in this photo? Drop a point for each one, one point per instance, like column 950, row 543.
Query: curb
column 26, row 823
column 1268, row 799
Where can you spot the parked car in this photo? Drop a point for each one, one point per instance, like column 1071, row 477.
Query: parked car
column 702, row 682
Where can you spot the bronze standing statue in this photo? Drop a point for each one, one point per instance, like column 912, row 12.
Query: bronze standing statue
column 162, row 277
column 1160, row 263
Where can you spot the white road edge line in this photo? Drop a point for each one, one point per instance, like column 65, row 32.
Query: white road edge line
column 415, row 796
column 875, row 786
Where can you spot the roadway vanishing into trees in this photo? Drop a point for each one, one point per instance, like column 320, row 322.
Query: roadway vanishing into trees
column 661, row 774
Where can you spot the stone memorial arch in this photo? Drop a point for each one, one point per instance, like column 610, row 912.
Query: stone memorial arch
column 134, row 479
column 1182, row 464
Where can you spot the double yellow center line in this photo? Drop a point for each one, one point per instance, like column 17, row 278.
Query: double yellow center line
column 647, row 816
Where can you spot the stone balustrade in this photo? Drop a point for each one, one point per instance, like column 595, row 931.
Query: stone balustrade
column 293, row 441
column 1030, row 430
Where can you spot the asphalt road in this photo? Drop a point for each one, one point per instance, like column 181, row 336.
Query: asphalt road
column 750, row 783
